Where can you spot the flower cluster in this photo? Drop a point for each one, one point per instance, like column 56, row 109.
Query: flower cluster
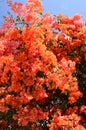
column 39, row 78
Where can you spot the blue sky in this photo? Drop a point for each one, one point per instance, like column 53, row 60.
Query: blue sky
column 67, row 7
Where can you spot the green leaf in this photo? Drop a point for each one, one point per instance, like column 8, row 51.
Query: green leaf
column 40, row 74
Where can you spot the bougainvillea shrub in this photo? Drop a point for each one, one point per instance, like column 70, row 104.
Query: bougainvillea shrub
column 42, row 70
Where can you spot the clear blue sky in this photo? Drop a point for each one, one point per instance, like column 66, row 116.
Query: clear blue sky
column 67, row 7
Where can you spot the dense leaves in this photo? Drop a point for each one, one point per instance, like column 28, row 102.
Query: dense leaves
column 42, row 70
